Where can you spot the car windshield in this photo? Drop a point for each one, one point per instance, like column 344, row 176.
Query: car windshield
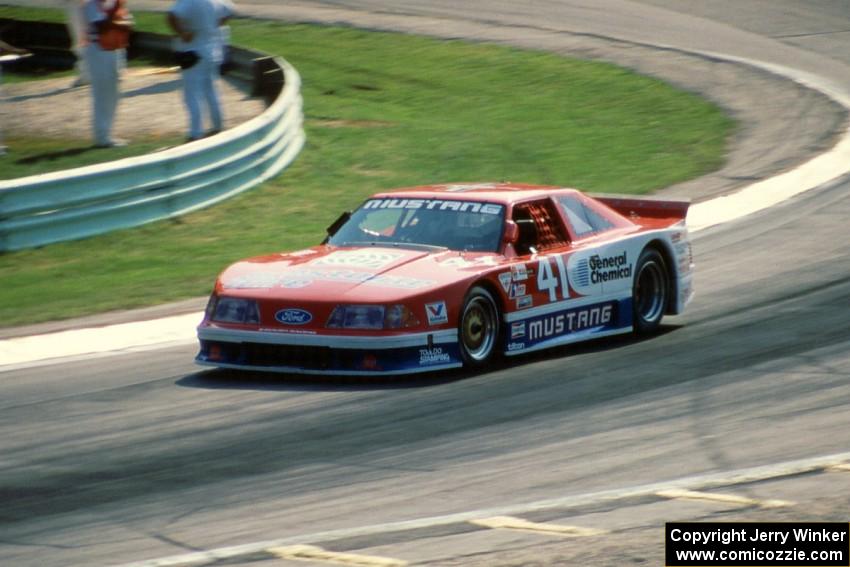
column 452, row 224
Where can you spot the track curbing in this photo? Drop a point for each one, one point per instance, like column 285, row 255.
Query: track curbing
column 692, row 483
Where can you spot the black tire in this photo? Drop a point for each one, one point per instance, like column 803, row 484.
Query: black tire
column 478, row 328
column 650, row 291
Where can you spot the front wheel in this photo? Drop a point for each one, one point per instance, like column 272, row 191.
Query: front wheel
column 478, row 328
column 649, row 291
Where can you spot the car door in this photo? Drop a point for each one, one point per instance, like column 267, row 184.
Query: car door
column 542, row 247
column 568, row 299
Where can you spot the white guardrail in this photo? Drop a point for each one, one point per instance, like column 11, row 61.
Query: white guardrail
column 86, row 201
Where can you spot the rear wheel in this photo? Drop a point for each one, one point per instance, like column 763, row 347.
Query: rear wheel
column 650, row 291
column 478, row 328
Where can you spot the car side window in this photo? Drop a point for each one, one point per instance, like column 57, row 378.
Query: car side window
column 583, row 220
column 539, row 227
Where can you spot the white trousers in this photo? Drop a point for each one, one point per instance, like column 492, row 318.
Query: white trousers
column 2, row 145
column 103, row 70
column 77, row 33
column 199, row 92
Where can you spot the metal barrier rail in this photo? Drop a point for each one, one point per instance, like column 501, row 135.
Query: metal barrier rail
column 86, row 201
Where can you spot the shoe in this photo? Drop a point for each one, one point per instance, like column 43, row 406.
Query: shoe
column 114, row 143
column 212, row 132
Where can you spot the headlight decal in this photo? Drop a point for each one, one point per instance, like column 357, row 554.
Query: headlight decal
column 372, row 317
column 235, row 310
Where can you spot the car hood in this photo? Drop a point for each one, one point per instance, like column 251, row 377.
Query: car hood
column 365, row 274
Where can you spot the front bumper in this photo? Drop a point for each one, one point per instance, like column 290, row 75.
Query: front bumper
column 343, row 355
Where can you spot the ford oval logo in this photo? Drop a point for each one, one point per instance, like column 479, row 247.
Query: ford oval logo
column 293, row 316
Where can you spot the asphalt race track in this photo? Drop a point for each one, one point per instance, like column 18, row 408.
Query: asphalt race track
column 139, row 456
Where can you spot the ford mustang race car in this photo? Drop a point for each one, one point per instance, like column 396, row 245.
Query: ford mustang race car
column 446, row 276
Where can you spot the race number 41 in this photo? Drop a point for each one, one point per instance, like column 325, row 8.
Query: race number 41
column 546, row 280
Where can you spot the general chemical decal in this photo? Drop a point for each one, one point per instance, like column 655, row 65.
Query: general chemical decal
column 580, row 276
column 589, row 272
column 607, row 268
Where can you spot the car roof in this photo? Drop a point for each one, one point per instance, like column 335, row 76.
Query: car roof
column 502, row 192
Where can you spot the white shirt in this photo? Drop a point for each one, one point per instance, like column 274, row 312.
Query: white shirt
column 202, row 18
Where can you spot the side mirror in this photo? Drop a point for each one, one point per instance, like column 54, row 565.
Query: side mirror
column 511, row 234
column 337, row 224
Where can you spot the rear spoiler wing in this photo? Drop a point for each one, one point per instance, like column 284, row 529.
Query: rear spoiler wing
column 646, row 207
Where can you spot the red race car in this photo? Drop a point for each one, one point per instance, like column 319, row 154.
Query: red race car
column 444, row 276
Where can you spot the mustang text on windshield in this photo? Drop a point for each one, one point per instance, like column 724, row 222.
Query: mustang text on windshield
column 434, row 204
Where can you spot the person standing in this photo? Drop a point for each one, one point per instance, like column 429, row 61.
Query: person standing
column 108, row 26
column 200, row 52
column 11, row 52
column 77, row 35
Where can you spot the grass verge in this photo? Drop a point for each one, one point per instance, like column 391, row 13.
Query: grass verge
column 386, row 110
column 33, row 155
